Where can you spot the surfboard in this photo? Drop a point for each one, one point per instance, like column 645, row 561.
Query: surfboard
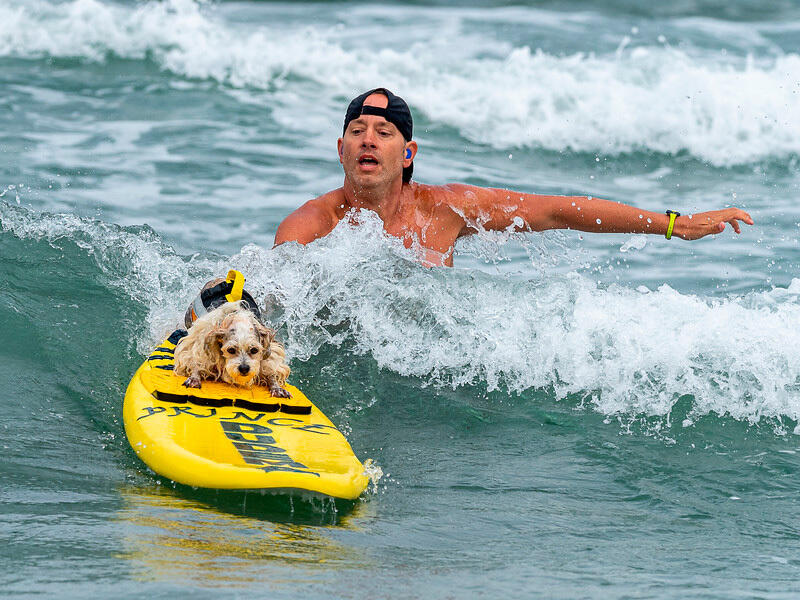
column 226, row 437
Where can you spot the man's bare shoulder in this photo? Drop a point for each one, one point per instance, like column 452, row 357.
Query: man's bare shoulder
column 453, row 195
column 314, row 219
column 471, row 207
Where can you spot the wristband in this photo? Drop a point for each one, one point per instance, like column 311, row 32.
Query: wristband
column 672, row 216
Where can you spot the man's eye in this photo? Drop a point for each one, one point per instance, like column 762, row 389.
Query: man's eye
column 355, row 131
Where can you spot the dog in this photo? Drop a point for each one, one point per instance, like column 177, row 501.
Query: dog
column 230, row 344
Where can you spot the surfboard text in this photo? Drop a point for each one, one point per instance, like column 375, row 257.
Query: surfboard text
column 257, row 446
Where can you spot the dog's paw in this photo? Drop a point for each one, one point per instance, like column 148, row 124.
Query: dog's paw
column 192, row 382
column 279, row 392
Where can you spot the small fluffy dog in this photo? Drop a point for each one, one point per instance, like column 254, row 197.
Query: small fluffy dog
column 231, row 345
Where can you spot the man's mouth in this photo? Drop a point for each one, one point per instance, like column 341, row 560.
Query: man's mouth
column 367, row 160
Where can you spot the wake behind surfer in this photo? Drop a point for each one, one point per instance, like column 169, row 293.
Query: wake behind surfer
column 377, row 153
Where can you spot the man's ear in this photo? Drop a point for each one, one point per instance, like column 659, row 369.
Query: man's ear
column 409, row 152
column 339, row 147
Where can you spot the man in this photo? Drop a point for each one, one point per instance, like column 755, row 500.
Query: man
column 377, row 153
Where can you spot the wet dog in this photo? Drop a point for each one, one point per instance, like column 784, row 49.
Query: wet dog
column 230, row 344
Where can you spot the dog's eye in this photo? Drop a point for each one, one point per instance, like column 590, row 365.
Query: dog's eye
column 231, row 350
column 253, row 350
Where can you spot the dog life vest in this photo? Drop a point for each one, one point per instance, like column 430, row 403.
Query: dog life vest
column 230, row 290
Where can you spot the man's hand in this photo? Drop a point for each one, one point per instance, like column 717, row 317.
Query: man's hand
column 693, row 227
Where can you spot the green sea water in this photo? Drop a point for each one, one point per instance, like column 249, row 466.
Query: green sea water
column 561, row 415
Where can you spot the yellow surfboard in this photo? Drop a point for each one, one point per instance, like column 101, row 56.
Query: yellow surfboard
column 226, row 437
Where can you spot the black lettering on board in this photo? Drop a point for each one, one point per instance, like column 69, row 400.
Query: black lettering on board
column 241, row 415
column 259, row 438
column 151, row 410
column 288, row 470
column 259, row 447
column 232, row 427
column 274, row 422
column 255, row 447
column 187, row 410
column 313, row 427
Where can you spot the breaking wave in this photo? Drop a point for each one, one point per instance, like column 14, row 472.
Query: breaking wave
column 623, row 351
column 723, row 109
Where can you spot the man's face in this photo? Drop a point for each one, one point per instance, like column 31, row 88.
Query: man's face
column 372, row 149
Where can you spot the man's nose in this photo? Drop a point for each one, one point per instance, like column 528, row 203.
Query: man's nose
column 368, row 139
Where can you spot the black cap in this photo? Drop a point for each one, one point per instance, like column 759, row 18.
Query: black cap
column 396, row 112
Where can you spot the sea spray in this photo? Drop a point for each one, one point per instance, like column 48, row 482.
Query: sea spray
column 625, row 351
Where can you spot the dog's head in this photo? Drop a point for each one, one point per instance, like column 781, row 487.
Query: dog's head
column 243, row 342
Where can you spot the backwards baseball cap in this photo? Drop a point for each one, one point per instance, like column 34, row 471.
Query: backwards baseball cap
column 396, row 112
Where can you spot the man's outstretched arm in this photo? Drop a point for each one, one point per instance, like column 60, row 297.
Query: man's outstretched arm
column 496, row 209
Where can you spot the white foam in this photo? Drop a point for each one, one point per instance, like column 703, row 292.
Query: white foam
column 622, row 351
column 635, row 242
column 722, row 109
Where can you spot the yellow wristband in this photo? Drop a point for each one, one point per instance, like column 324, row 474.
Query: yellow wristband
column 672, row 216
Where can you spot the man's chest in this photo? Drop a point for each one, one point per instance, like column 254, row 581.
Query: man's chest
column 435, row 229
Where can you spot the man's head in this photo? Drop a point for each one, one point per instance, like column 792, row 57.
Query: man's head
column 376, row 145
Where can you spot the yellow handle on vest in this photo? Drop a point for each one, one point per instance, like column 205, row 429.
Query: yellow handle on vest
column 237, row 279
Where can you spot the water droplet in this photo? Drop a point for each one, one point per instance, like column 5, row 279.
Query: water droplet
column 649, row 220
column 599, row 221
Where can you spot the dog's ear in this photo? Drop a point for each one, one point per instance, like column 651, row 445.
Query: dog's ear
column 265, row 335
column 217, row 337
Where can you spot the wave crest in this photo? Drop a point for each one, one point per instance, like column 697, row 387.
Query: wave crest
column 723, row 110
column 623, row 351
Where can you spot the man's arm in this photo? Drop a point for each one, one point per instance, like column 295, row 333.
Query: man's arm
column 499, row 210
column 306, row 224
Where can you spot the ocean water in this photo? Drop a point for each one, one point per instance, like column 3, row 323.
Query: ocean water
column 561, row 415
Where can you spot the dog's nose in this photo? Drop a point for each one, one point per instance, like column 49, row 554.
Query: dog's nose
column 244, row 369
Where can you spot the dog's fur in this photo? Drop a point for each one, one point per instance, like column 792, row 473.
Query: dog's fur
column 231, row 345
